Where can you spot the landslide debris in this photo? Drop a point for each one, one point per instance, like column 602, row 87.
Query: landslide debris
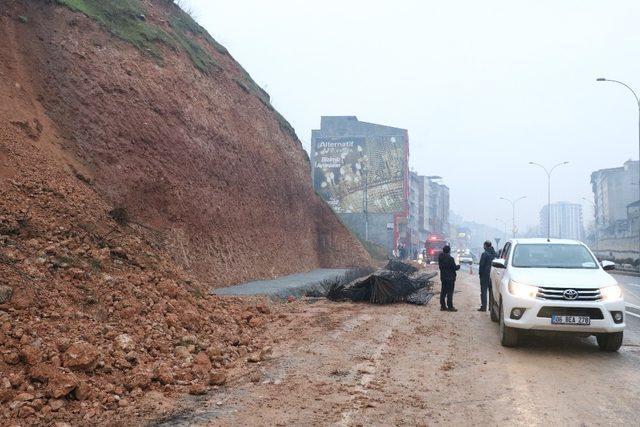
column 123, row 203
column 93, row 317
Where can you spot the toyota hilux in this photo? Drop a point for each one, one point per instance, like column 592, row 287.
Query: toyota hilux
column 555, row 285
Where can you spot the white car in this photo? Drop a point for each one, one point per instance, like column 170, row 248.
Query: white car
column 555, row 285
column 465, row 258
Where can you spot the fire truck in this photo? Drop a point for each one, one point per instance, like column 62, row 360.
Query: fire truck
column 433, row 248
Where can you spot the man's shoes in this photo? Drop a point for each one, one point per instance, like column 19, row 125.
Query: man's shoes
column 482, row 309
column 444, row 309
column 452, row 309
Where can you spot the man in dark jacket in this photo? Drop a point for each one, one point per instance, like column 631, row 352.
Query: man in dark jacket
column 484, row 270
column 448, row 270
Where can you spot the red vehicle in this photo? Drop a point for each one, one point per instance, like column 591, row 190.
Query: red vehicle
column 433, row 248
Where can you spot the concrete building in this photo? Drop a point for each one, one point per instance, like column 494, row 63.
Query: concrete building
column 617, row 213
column 614, row 189
column 633, row 216
column 361, row 170
column 566, row 221
column 438, row 208
column 419, row 196
column 428, row 209
column 414, row 210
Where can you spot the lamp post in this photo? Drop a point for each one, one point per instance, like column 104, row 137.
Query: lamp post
column 513, row 214
column 504, row 236
column 635, row 95
column 365, row 197
column 548, row 172
column 505, row 227
column 595, row 215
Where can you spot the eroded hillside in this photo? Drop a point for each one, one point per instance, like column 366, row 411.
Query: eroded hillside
column 139, row 166
column 167, row 126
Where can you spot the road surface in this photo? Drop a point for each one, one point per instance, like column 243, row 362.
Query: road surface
column 631, row 292
column 294, row 284
column 360, row 364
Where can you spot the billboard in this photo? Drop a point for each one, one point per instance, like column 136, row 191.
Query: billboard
column 348, row 170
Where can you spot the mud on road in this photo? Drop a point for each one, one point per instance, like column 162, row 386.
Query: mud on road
column 359, row 364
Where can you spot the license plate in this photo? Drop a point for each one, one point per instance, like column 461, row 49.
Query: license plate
column 570, row 320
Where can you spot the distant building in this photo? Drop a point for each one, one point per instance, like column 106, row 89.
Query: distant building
column 361, row 170
column 614, row 189
column 617, row 213
column 416, row 191
column 477, row 234
column 419, row 202
column 461, row 238
column 566, row 221
column 439, row 208
column 428, row 209
column 633, row 217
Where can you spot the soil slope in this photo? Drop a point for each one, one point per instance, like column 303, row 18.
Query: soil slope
column 120, row 155
column 178, row 135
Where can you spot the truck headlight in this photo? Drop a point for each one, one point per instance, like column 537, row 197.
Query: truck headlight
column 523, row 291
column 611, row 293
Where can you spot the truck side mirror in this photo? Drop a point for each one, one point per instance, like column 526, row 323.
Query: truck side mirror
column 498, row 263
column 608, row 265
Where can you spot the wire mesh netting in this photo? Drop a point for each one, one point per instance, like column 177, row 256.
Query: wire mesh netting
column 404, row 283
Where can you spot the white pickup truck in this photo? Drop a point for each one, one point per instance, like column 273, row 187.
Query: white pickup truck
column 555, row 285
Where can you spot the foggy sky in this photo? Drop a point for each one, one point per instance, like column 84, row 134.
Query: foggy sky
column 483, row 87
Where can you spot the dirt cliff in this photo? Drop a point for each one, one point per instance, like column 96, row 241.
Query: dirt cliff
column 139, row 166
column 167, row 126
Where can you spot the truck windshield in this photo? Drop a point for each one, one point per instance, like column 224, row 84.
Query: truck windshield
column 553, row 256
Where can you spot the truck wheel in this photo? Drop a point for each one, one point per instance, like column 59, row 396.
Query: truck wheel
column 610, row 342
column 508, row 336
column 492, row 307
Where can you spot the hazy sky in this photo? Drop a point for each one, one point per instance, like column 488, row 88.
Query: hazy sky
column 483, row 87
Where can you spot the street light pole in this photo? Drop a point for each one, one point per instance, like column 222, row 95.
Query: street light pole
column 365, row 202
column 635, row 95
column 548, row 172
column 595, row 216
column 505, row 227
column 513, row 214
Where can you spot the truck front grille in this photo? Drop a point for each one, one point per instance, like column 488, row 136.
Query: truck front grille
column 563, row 294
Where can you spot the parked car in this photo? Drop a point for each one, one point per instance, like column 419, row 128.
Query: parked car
column 465, row 258
column 555, row 285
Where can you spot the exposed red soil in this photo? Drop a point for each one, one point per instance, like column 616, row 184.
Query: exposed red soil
column 99, row 316
column 205, row 164
column 103, row 314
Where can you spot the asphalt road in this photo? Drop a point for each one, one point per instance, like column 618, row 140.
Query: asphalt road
column 294, row 284
column 350, row 364
column 631, row 291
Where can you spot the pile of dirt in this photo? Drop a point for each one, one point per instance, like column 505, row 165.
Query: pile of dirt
column 92, row 315
column 124, row 202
